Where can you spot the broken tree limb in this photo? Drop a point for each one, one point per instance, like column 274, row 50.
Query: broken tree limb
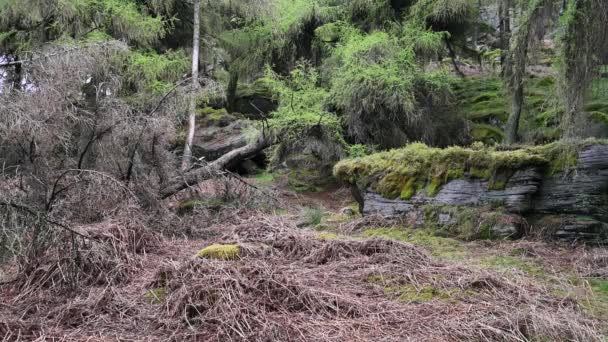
column 226, row 161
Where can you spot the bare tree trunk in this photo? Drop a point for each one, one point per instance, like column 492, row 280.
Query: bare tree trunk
column 232, row 88
column 187, row 157
column 17, row 75
column 517, row 102
column 452, row 56
column 504, row 27
column 515, row 68
column 586, row 42
column 87, row 149
column 477, row 24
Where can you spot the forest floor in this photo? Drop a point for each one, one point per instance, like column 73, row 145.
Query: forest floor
column 312, row 271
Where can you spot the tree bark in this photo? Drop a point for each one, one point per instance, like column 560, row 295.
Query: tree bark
column 517, row 102
column 232, row 88
column 226, row 161
column 452, row 55
column 87, row 149
column 187, row 156
column 504, row 26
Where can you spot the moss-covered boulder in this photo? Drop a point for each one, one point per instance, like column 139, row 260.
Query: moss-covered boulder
column 558, row 178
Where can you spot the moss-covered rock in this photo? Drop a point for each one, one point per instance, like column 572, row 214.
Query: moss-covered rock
column 220, row 252
column 401, row 173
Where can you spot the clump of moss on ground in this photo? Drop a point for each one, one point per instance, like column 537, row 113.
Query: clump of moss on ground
column 220, row 252
column 401, row 173
column 326, row 236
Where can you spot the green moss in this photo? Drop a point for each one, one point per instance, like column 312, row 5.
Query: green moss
column 487, row 133
column 312, row 216
column 434, row 186
column 599, row 117
column 409, row 189
column 476, row 172
column 220, row 252
column 394, row 173
column 189, row 205
column 546, row 81
column 306, row 180
column 265, row 177
column 211, row 113
column 411, row 294
column 597, row 106
column 156, row 295
column 505, row 263
column 326, row 236
column 442, row 247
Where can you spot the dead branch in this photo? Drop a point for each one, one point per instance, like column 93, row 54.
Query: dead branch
column 226, row 161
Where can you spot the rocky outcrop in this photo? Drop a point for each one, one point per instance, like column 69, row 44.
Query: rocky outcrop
column 569, row 203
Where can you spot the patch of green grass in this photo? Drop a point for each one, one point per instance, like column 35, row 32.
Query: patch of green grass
column 412, row 294
column 595, row 298
column 265, row 177
column 326, row 236
column 156, row 295
column 506, row 263
column 487, row 133
column 211, row 113
column 312, row 216
column 441, row 247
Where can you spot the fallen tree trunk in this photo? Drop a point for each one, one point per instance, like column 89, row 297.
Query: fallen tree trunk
column 226, row 161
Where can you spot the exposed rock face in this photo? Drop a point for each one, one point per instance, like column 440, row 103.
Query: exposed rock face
column 571, row 204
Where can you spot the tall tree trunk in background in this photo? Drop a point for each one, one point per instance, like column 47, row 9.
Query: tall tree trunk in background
column 187, row 157
column 18, row 75
column 516, row 72
column 452, row 55
column 477, row 24
column 515, row 65
column 504, row 27
column 584, row 44
column 87, row 149
column 233, row 83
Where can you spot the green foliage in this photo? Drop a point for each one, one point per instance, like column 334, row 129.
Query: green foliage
column 152, row 74
column 358, row 150
column 443, row 12
column 378, row 87
column 312, row 216
column 265, row 177
column 118, row 18
column 301, row 123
